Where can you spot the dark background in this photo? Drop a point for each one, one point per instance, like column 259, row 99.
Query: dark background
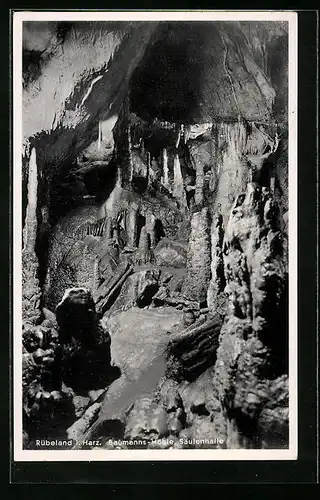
column 302, row 471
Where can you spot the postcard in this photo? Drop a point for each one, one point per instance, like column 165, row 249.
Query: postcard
column 155, row 235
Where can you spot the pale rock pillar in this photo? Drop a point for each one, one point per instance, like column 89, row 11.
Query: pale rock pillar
column 150, row 226
column 31, row 292
column 165, row 169
column 144, row 253
column 216, row 298
column 131, row 225
column 199, row 257
column 198, row 196
column 178, row 187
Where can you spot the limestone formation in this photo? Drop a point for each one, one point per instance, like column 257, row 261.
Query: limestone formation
column 31, row 292
column 170, row 253
column 199, row 257
column 216, row 298
column 138, row 290
column 178, row 185
column 144, row 254
column 108, row 290
column 198, row 196
column 165, row 178
column 252, row 348
column 194, row 348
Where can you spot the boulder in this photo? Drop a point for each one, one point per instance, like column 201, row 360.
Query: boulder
column 170, row 253
column 139, row 336
column 147, row 420
column 193, row 349
column 138, row 290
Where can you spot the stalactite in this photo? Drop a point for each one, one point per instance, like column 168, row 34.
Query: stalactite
column 232, row 172
column 129, row 153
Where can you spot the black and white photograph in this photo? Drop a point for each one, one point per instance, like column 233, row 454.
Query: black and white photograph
column 155, row 235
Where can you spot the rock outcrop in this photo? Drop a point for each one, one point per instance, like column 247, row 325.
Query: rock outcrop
column 252, row 353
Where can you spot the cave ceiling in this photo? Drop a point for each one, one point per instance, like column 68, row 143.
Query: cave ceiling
column 77, row 74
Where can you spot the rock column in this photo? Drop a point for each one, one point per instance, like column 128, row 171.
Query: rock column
column 198, row 196
column 215, row 297
column 165, row 179
column 132, row 226
column 144, row 253
column 31, row 292
column 178, row 187
column 199, row 257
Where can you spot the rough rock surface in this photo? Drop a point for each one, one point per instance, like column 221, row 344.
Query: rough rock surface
column 84, row 345
column 199, row 257
column 252, row 351
column 138, row 290
column 216, row 298
column 170, row 253
column 138, row 336
column 193, row 349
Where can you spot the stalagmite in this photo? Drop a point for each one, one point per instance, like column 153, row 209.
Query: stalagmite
column 178, row 187
column 198, row 196
column 132, row 226
column 150, row 225
column 31, row 291
column 129, row 153
column 31, row 225
column 216, row 298
column 165, row 169
column 199, row 257
column 144, row 254
column 180, row 133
